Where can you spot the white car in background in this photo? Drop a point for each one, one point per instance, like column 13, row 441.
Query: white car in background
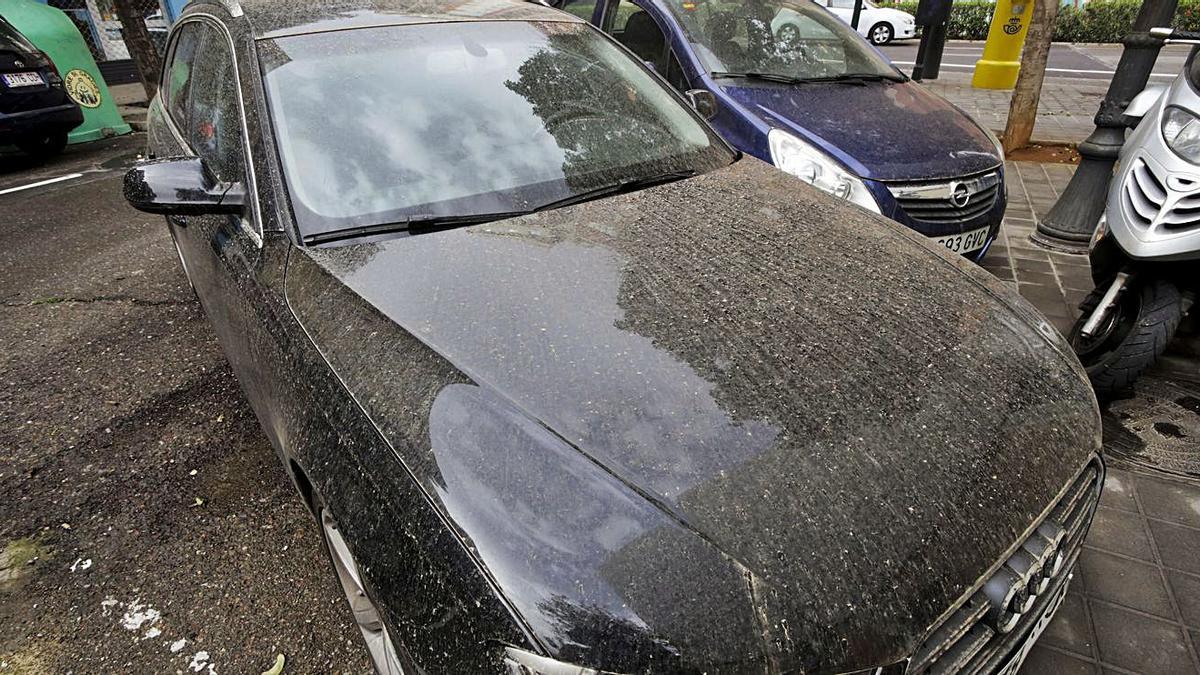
column 878, row 24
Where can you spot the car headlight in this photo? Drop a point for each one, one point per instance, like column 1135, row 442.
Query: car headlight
column 818, row 169
column 1181, row 131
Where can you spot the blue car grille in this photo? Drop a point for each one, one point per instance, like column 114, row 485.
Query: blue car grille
column 982, row 633
column 942, row 202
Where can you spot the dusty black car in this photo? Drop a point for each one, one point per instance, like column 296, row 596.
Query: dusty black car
column 35, row 111
column 569, row 384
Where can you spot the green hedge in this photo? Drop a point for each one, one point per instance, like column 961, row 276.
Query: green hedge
column 1095, row 21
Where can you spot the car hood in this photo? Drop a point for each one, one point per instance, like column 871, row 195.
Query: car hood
column 882, row 130
column 846, row 426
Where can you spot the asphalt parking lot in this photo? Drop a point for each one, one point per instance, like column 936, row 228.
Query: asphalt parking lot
column 146, row 525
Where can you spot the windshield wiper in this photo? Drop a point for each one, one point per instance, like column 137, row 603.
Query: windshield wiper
column 856, row 78
column 410, row 224
column 769, row 77
column 424, row 223
column 616, row 188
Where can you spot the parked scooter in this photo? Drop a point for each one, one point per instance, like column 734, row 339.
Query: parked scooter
column 1145, row 253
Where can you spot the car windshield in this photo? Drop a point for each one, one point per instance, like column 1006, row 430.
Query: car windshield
column 788, row 39
column 408, row 124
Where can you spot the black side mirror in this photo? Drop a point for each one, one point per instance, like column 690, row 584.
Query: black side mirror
column 703, row 101
column 181, row 186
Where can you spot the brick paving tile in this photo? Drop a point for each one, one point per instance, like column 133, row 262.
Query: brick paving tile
column 1135, row 642
column 1178, row 545
column 1127, row 582
column 1186, row 589
column 1121, row 532
column 1050, row 661
column 1169, row 501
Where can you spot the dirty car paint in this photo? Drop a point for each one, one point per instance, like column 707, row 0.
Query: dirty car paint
column 804, row 411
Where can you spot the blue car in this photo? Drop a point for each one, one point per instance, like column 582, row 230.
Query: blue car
column 788, row 82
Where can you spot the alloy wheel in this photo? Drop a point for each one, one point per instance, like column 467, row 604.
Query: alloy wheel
column 881, row 34
column 379, row 644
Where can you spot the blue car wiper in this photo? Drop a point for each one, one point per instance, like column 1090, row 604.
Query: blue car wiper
column 616, row 188
column 768, row 77
column 856, row 78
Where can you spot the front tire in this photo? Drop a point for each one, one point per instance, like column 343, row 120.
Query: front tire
column 367, row 616
column 1135, row 335
column 44, row 146
column 881, row 34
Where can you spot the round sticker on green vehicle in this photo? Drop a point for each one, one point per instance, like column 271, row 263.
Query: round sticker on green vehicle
column 82, row 88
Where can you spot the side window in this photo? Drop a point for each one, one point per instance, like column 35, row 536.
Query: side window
column 636, row 29
column 583, row 9
column 215, row 127
column 177, row 86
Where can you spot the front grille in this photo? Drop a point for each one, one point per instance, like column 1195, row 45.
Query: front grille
column 1152, row 200
column 948, row 202
column 984, row 630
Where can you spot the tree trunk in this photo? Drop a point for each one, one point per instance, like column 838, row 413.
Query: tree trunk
column 141, row 47
column 1022, row 110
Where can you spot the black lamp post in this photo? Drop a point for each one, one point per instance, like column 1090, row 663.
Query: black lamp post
column 1070, row 223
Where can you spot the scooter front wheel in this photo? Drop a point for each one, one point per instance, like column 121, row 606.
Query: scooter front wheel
column 1133, row 336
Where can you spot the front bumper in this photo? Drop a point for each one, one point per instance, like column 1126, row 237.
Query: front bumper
column 905, row 31
column 19, row 125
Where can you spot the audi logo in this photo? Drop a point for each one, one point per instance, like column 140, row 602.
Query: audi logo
column 1014, row 589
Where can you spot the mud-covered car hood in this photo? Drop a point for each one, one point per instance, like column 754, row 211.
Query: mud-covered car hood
column 882, row 130
column 723, row 422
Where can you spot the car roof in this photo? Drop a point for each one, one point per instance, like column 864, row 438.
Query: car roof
column 277, row 18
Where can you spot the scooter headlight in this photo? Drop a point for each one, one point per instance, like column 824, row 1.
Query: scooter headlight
column 816, row 168
column 1181, row 131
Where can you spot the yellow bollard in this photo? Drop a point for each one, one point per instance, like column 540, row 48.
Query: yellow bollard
column 1002, row 52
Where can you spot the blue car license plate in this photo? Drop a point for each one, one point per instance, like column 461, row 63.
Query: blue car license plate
column 965, row 242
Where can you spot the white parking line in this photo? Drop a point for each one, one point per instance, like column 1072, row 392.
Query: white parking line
column 70, row 176
column 1048, row 70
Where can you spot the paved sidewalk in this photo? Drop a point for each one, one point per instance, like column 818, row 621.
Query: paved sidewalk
column 1134, row 605
column 1065, row 113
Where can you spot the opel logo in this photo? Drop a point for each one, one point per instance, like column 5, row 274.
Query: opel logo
column 1014, row 589
column 960, row 194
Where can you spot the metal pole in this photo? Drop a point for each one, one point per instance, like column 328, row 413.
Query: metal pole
column 1070, row 223
column 857, row 13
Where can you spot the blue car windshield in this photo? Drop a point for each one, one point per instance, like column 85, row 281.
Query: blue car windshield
column 435, row 122
column 790, row 39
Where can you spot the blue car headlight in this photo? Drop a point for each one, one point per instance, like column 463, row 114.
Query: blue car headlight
column 818, row 169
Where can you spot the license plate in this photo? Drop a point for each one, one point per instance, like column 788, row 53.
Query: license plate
column 1014, row 663
column 965, row 242
column 23, row 79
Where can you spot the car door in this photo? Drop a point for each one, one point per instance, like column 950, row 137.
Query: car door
column 223, row 255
